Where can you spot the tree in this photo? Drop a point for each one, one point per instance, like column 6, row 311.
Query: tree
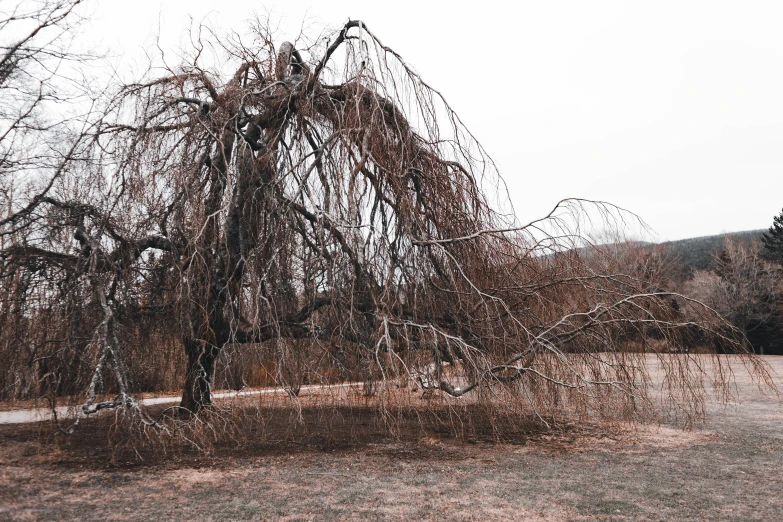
column 43, row 129
column 773, row 239
column 37, row 85
column 745, row 289
column 323, row 195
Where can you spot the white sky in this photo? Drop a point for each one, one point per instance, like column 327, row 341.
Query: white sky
column 671, row 109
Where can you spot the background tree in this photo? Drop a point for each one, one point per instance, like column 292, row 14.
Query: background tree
column 38, row 85
column 44, row 110
column 773, row 239
column 323, row 200
column 745, row 289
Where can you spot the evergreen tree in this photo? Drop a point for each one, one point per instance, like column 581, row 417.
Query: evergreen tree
column 773, row 239
column 723, row 265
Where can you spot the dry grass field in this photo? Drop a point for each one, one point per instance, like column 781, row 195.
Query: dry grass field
column 728, row 469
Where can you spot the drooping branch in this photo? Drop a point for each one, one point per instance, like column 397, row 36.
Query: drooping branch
column 348, row 223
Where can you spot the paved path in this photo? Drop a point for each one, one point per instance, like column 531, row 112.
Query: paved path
column 65, row 412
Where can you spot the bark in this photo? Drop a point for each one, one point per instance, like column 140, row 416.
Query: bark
column 198, row 377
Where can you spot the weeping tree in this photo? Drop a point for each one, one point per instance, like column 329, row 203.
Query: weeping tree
column 321, row 194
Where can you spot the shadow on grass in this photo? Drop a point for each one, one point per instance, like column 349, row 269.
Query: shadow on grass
column 219, row 436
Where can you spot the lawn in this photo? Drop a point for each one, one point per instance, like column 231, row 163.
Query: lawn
column 729, row 469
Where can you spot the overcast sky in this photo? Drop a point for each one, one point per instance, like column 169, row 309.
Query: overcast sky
column 673, row 110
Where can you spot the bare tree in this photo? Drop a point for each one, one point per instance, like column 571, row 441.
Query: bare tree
column 38, row 82
column 745, row 289
column 44, row 115
column 324, row 195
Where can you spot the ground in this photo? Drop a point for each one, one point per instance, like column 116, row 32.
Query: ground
column 729, row 469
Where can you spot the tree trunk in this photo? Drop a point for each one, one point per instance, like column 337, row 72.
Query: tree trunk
column 198, row 377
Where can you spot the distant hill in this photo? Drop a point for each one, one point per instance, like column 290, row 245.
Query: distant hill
column 696, row 253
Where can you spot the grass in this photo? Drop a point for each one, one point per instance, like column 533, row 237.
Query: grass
column 729, row 469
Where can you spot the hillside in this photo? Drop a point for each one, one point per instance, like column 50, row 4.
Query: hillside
column 697, row 253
